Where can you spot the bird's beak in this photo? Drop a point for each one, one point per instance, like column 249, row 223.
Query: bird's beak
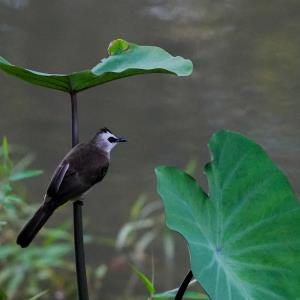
column 121, row 140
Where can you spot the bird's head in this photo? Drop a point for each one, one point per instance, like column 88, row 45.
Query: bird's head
column 106, row 140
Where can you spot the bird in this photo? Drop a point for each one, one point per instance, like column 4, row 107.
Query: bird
column 82, row 167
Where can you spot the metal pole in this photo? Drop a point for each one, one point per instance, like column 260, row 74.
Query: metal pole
column 77, row 213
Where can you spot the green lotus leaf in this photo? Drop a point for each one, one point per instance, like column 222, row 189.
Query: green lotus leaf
column 125, row 59
column 244, row 236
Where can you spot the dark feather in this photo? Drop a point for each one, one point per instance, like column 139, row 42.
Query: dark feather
column 82, row 167
column 104, row 129
column 34, row 225
column 57, row 179
column 87, row 166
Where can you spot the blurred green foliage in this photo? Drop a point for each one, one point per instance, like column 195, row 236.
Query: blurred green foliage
column 43, row 265
column 143, row 232
column 149, row 285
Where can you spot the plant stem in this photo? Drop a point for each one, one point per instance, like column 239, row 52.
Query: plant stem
column 75, row 131
column 77, row 213
column 184, row 286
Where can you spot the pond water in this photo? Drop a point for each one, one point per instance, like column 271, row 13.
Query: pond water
column 246, row 78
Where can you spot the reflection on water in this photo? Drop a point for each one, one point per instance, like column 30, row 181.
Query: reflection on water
column 246, row 78
column 181, row 11
column 15, row 3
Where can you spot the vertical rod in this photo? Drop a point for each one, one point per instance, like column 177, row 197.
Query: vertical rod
column 77, row 213
column 75, row 131
column 184, row 286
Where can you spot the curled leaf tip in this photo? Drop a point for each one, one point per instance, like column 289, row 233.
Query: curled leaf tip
column 117, row 46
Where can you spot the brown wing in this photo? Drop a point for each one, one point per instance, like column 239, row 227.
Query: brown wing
column 81, row 168
column 57, row 179
column 65, row 178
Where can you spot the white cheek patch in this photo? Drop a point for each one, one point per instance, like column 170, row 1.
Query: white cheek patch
column 104, row 144
column 107, row 146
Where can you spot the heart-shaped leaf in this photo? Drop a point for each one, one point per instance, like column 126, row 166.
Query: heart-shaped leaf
column 244, row 236
column 125, row 59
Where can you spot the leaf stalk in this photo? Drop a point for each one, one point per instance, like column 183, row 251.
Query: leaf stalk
column 77, row 215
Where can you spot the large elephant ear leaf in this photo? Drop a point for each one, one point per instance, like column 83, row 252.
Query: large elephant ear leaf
column 124, row 59
column 244, row 236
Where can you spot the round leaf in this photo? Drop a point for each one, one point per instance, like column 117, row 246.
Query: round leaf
column 125, row 59
column 244, row 237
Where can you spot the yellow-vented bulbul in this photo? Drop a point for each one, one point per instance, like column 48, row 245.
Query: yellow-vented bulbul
column 84, row 166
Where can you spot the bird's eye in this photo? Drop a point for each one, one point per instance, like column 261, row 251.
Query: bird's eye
column 112, row 139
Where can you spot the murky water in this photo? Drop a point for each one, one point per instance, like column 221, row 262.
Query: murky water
column 246, row 78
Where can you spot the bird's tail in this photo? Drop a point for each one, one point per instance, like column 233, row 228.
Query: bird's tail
column 34, row 225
